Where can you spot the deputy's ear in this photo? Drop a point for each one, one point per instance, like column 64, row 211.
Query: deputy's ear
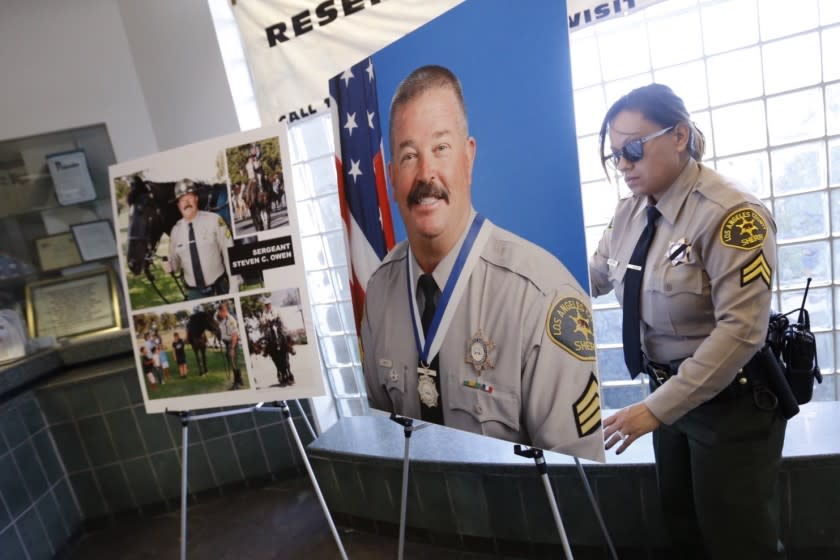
column 471, row 151
column 682, row 135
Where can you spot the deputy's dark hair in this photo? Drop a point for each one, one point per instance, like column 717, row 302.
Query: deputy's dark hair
column 421, row 80
column 657, row 103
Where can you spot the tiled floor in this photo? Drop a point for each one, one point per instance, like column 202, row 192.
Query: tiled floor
column 283, row 521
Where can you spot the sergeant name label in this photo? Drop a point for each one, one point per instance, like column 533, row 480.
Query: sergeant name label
column 256, row 257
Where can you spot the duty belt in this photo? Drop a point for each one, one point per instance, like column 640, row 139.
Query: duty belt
column 660, row 373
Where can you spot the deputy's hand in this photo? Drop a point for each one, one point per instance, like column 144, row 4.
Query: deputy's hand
column 167, row 268
column 627, row 425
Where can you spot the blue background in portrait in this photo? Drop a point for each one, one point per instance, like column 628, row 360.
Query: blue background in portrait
column 513, row 62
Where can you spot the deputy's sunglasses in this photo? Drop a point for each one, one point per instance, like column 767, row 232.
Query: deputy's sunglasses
column 633, row 151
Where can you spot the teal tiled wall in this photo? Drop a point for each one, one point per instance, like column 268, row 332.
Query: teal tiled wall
column 464, row 491
column 38, row 511
column 83, row 452
column 121, row 461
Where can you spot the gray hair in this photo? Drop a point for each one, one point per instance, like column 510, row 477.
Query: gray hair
column 421, row 80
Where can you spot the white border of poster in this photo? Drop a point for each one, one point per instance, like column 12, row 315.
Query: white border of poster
column 524, row 179
column 265, row 266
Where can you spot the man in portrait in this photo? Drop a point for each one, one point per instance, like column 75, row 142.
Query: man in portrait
column 198, row 245
column 466, row 324
column 278, row 344
column 229, row 330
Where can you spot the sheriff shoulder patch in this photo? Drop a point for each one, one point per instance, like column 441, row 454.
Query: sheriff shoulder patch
column 587, row 408
column 757, row 268
column 569, row 326
column 743, row 229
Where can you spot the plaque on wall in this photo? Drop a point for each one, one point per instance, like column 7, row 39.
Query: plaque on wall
column 71, row 177
column 58, row 251
column 74, row 305
column 95, row 240
column 12, row 337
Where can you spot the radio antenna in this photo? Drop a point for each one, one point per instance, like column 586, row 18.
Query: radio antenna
column 804, row 297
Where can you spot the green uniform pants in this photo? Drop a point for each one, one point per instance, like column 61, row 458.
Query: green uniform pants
column 717, row 469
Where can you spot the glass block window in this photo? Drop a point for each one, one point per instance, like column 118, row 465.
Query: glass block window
column 762, row 81
column 325, row 260
column 322, row 235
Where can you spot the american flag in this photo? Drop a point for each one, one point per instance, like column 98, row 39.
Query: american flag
column 360, row 167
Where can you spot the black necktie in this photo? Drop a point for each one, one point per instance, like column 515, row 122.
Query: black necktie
column 196, row 262
column 631, row 321
column 429, row 288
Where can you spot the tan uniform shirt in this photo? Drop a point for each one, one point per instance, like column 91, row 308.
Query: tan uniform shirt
column 711, row 301
column 228, row 327
column 213, row 238
column 523, row 320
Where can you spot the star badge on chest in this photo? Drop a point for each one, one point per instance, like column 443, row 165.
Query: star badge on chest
column 478, row 352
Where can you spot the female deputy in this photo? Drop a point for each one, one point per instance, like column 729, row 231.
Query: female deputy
column 691, row 258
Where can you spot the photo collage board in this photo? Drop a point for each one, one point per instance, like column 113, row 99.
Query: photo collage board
column 212, row 268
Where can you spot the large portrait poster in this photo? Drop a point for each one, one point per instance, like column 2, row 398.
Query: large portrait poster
column 506, row 349
column 211, row 262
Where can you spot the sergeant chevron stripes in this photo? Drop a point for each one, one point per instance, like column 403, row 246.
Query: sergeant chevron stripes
column 757, row 268
column 587, row 408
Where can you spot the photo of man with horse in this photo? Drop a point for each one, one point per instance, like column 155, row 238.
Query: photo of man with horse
column 274, row 326
column 198, row 245
column 147, row 213
column 186, row 329
column 256, row 175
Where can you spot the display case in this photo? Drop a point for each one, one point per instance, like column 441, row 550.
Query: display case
column 55, row 206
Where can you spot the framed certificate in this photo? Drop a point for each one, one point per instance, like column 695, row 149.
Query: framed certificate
column 95, row 240
column 58, row 251
column 71, row 177
column 74, row 305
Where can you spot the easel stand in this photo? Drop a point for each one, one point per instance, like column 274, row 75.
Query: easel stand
column 187, row 416
column 596, row 509
column 408, row 428
column 283, row 407
column 542, row 468
column 305, row 419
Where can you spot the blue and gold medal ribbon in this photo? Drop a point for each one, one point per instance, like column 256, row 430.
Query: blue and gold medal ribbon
column 426, row 347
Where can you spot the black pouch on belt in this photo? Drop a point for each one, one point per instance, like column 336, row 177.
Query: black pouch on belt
column 765, row 366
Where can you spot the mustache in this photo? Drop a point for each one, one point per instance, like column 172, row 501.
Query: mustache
column 426, row 189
